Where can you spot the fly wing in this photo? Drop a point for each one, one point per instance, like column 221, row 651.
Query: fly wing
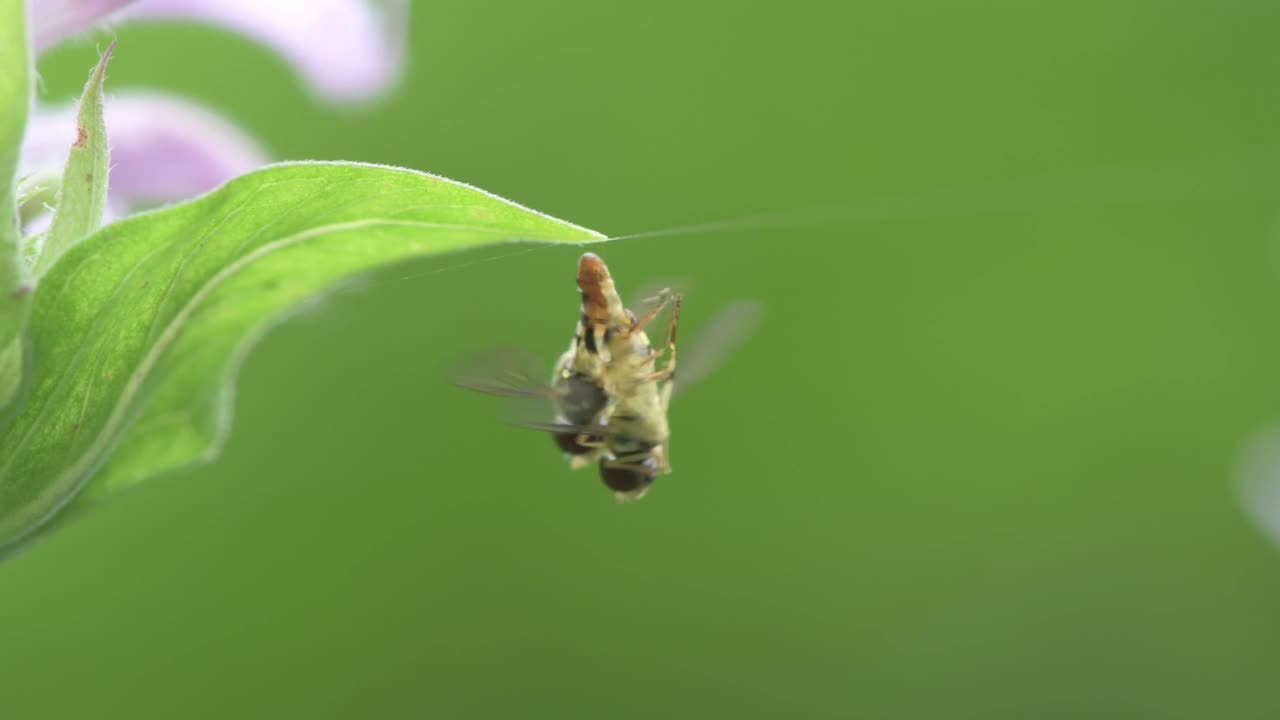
column 506, row 371
column 539, row 413
column 727, row 329
column 517, row 374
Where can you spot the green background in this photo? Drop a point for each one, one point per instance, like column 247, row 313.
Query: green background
column 978, row 461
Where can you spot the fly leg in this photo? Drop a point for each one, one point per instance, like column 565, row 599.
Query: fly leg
column 669, row 371
column 595, row 445
column 577, row 462
column 630, row 462
column 664, row 297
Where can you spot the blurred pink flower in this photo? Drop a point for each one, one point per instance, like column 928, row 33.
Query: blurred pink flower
column 345, row 50
column 55, row 20
column 164, row 148
column 1258, row 479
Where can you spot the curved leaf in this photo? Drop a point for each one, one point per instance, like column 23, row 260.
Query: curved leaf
column 137, row 332
column 15, row 281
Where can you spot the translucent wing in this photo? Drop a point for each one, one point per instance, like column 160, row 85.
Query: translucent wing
column 506, row 371
column 727, row 329
column 517, row 374
column 540, row 415
column 724, row 333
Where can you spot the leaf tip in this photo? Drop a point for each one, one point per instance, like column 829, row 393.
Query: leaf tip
column 99, row 76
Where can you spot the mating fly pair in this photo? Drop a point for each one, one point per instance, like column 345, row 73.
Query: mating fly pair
column 609, row 393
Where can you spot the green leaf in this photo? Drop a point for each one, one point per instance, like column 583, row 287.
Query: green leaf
column 15, row 101
column 138, row 331
column 82, row 197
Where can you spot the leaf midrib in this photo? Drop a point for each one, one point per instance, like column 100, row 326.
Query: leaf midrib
column 115, row 420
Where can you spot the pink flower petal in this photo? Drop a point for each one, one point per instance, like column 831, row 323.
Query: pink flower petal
column 346, row 50
column 39, row 224
column 1258, row 479
column 163, row 148
column 55, row 20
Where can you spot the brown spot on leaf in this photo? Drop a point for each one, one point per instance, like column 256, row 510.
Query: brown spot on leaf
column 82, row 137
column 75, row 428
column 88, row 178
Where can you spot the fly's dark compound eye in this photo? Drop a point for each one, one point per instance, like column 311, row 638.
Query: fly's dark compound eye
column 628, row 480
column 568, row 443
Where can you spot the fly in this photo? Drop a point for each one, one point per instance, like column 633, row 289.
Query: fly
column 610, row 392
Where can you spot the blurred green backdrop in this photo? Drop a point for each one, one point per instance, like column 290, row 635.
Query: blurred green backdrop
column 977, row 462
